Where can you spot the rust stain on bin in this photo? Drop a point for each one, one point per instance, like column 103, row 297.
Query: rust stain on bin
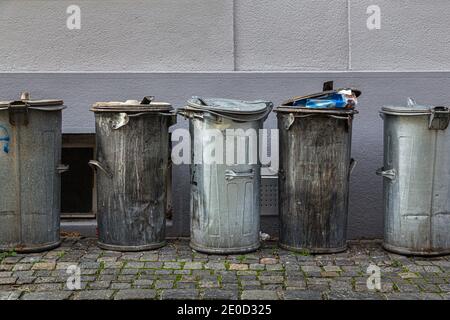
column 132, row 169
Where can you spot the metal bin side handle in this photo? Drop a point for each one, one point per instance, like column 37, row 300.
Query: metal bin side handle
column 390, row 174
column 97, row 165
column 230, row 174
column 352, row 166
column 61, row 168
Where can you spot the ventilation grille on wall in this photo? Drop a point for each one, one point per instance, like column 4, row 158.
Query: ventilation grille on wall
column 269, row 193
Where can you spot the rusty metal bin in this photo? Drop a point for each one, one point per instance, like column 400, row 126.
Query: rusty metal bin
column 132, row 159
column 225, row 197
column 30, row 155
column 416, row 180
column 315, row 166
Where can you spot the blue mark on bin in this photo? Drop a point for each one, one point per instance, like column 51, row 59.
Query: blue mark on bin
column 4, row 138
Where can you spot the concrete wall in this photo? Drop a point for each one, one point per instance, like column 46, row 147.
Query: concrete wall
column 243, row 49
column 224, row 35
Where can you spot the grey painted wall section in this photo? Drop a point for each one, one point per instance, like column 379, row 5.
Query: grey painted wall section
column 414, row 35
column 291, row 35
column 80, row 90
column 224, row 35
column 117, row 35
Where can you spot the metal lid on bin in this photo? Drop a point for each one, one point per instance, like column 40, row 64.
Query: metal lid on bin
column 412, row 108
column 145, row 105
column 41, row 104
column 229, row 106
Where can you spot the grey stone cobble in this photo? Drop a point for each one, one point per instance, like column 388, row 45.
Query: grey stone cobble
column 172, row 294
column 135, row 294
column 48, row 295
column 259, row 295
column 177, row 272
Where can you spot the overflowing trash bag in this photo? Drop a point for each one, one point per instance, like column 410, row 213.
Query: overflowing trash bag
column 344, row 98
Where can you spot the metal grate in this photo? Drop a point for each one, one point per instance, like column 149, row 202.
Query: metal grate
column 269, row 195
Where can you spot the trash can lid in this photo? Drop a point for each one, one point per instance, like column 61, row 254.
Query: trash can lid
column 146, row 105
column 42, row 104
column 411, row 108
column 229, row 106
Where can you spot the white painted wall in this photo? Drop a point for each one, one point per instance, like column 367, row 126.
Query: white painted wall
column 224, row 35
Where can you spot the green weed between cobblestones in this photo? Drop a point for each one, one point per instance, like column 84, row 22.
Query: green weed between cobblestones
column 227, row 265
column 303, row 253
column 353, row 283
column 61, row 254
column 177, row 279
column 100, row 268
column 396, row 264
column 7, row 254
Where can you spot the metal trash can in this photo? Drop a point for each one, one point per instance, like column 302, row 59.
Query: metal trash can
column 30, row 155
column 416, row 179
column 315, row 166
column 132, row 151
column 225, row 195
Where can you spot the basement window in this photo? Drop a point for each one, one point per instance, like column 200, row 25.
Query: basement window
column 77, row 184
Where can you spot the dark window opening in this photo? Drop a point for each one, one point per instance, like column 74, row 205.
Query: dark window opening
column 77, row 183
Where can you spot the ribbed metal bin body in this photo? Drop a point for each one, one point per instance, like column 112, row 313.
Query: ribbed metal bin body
column 225, row 196
column 416, row 184
column 30, row 154
column 132, row 168
column 225, row 211
column 315, row 166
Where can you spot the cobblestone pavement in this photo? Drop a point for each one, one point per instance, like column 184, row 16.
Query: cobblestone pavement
column 176, row 272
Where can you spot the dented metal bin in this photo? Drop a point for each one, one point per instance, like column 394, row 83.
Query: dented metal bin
column 30, row 168
column 315, row 166
column 132, row 152
column 225, row 195
column 416, row 180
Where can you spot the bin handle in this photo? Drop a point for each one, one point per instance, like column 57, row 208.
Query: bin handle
column 123, row 118
column 352, row 166
column 390, row 174
column 190, row 115
column 337, row 117
column 61, row 168
column 230, row 174
column 97, row 165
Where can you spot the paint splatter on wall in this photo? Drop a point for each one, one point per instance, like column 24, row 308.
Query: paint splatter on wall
column 4, row 138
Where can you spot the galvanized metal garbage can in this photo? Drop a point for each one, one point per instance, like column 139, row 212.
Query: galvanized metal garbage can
column 225, row 195
column 315, row 167
column 416, row 180
column 30, row 155
column 132, row 152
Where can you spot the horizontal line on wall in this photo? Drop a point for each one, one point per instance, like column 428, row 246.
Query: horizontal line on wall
column 342, row 72
column 234, row 74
